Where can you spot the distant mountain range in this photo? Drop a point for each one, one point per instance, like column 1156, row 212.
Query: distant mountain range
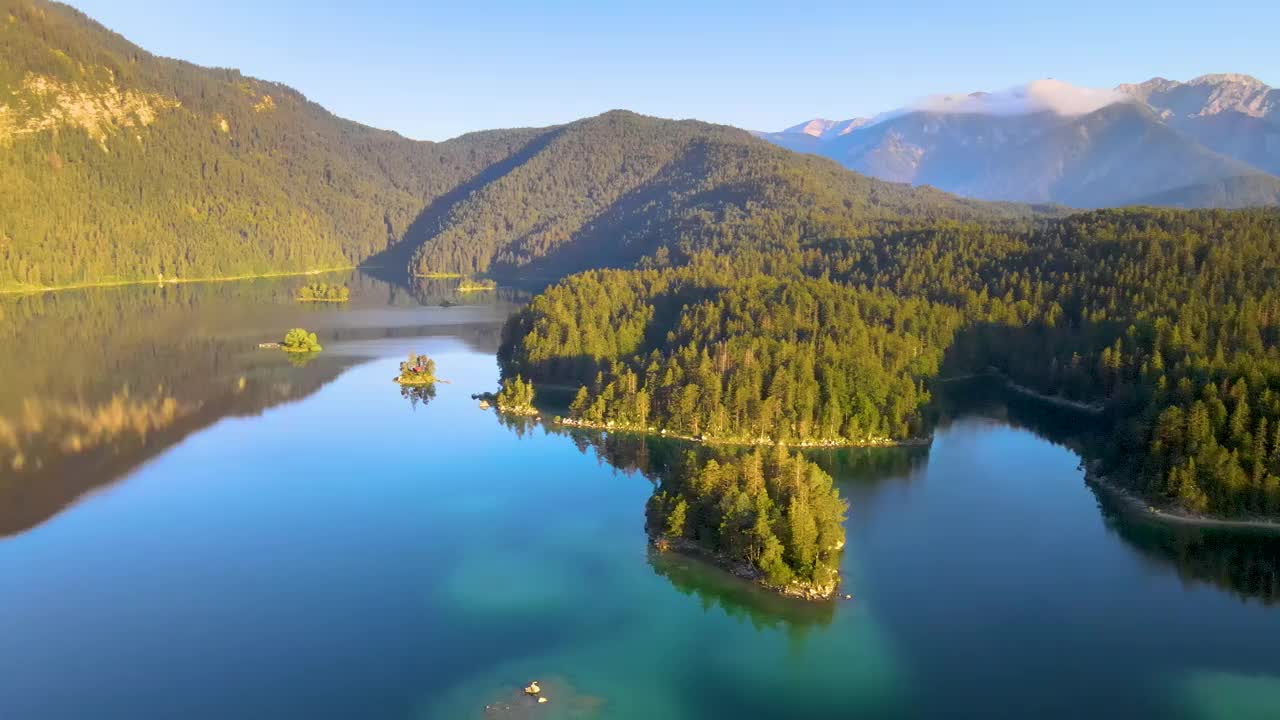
column 1211, row 142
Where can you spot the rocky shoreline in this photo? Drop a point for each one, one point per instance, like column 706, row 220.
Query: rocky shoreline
column 1171, row 513
column 799, row 591
column 746, row 442
column 1084, row 407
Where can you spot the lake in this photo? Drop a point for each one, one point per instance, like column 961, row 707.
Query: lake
column 193, row 527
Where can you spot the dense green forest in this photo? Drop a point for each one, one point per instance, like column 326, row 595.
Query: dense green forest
column 1168, row 320
column 777, row 513
column 119, row 165
column 750, row 358
column 609, row 190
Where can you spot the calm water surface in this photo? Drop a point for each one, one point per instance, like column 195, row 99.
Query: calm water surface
column 306, row 541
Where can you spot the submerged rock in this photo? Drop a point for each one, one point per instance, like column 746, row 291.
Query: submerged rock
column 515, row 703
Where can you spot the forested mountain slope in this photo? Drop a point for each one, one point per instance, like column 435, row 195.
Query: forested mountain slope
column 120, row 165
column 607, row 190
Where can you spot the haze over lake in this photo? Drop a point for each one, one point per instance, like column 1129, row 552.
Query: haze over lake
column 303, row 539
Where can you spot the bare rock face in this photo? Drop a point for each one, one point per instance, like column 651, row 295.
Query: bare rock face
column 1235, row 115
column 1207, row 95
column 99, row 107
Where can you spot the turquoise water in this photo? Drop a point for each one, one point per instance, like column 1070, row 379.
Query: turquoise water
column 345, row 552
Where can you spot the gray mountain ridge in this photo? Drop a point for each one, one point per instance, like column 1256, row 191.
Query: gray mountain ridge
column 1213, row 141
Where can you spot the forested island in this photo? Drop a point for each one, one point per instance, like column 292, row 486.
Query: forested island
column 299, row 340
column 324, row 292
column 417, row 370
column 769, row 516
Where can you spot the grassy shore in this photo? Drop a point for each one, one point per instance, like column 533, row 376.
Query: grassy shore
column 38, row 289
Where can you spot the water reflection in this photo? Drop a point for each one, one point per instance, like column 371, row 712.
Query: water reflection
column 1244, row 563
column 991, row 397
column 871, row 465
column 99, row 380
column 738, row 598
column 418, row 394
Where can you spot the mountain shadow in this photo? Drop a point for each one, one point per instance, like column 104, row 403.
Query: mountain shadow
column 392, row 264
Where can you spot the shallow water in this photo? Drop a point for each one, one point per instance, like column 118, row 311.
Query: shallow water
column 313, row 544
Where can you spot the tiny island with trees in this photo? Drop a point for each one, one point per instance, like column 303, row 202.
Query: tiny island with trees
column 299, row 340
column 323, row 292
column 516, row 397
column 418, row 370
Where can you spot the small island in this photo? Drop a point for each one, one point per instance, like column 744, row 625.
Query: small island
column 769, row 516
column 299, row 340
column 417, row 370
column 323, row 292
column 516, row 397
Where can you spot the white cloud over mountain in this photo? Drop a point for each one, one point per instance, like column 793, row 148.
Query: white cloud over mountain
column 1037, row 96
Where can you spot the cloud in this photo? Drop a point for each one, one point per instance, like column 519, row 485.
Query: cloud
column 1038, row 96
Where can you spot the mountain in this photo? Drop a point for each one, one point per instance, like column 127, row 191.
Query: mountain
column 608, row 190
column 1208, row 95
column 1202, row 144
column 1236, row 115
column 119, row 165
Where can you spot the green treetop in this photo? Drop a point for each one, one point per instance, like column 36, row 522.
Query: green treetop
column 516, row 396
column 417, row 370
column 300, row 341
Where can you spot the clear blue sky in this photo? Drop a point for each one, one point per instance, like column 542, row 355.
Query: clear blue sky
column 433, row 70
